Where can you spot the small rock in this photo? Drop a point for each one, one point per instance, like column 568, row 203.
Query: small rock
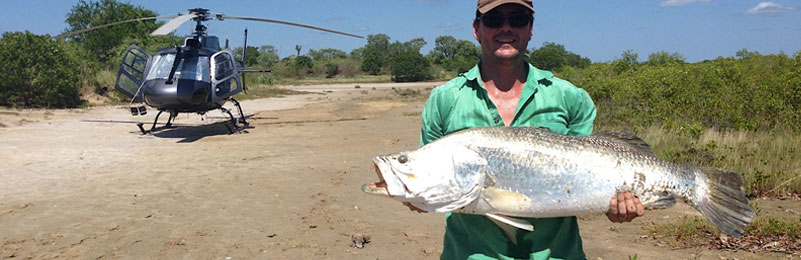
column 358, row 241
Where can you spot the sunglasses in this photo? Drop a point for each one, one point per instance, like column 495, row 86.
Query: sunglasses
column 496, row 21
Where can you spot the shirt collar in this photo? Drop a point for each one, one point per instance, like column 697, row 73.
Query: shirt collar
column 536, row 77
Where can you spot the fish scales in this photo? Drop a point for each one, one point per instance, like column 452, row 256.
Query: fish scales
column 553, row 170
column 531, row 172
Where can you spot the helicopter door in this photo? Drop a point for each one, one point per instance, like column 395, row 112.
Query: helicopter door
column 224, row 78
column 132, row 72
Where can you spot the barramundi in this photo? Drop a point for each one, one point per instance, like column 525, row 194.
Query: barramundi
column 530, row 172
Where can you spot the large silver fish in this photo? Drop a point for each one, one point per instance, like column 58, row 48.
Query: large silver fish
column 506, row 172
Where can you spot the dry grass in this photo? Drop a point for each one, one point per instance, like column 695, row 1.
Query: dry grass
column 768, row 233
column 770, row 162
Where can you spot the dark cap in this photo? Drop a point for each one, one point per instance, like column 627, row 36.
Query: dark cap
column 485, row 6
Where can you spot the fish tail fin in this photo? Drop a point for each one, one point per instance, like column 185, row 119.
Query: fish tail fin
column 722, row 201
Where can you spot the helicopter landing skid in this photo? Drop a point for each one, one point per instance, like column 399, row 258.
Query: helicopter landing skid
column 234, row 127
column 153, row 128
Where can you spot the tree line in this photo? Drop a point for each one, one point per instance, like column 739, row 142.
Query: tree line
column 748, row 91
column 42, row 72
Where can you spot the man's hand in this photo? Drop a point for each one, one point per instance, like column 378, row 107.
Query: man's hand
column 624, row 207
column 413, row 208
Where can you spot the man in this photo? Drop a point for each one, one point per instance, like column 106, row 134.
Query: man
column 504, row 90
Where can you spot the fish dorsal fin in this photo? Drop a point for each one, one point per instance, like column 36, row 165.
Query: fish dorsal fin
column 629, row 139
column 509, row 225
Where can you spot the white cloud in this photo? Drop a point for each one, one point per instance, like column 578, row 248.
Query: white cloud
column 769, row 8
column 677, row 3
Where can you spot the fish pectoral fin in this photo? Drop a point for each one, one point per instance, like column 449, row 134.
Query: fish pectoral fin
column 515, row 222
column 506, row 200
column 510, row 225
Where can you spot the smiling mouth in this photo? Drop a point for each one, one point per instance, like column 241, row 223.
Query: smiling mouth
column 505, row 40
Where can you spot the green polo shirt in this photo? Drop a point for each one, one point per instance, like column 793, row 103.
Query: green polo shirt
column 546, row 101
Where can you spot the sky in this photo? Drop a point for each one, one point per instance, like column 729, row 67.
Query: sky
column 600, row 30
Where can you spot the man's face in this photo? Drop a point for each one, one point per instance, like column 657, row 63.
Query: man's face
column 505, row 42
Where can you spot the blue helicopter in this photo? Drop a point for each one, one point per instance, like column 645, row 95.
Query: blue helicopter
column 196, row 77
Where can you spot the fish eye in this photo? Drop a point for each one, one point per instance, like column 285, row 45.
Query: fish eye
column 403, row 159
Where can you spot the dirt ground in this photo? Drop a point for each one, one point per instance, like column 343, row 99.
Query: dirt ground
column 86, row 184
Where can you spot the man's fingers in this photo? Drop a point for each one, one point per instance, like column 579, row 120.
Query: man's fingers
column 613, row 206
column 631, row 209
column 629, row 202
column 611, row 214
column 624, row 207
column 621, row 206
column 640, row 207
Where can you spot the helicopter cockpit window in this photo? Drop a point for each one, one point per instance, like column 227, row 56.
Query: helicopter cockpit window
column 194, row 67
column 224, row 66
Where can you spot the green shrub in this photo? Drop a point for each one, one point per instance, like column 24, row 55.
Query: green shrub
column 371, row 63
column 37, row 71
column 409, row 66
column 757, row 93
column 553, row 57
column 331, row 69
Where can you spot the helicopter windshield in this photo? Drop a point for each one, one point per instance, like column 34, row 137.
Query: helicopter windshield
column 193, row 67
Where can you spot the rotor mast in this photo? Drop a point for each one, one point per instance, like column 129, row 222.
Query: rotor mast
column 202, row 15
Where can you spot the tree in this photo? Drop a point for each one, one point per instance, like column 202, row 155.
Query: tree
column 662, row 58
column 415, row 44
column 251, row 55
column 553, row 56
column 454, row 55
column 372, row 63
column 444, row 47
column 303, row 64
column 37, row 71
column 745, row 54
column 375, row 54
column 101, row 42
column 357, row 53
column 268, row 56
column 331, row 69
column 327, row 54
column 297, row 48
column 628, row 60
column 409, row 66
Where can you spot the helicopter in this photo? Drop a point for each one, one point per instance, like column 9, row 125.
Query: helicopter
column 196, row 77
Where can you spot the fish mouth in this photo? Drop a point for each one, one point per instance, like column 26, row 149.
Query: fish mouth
column 376, row 188
column 388, row 185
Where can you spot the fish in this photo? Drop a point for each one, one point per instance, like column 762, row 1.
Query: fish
column 509, row 173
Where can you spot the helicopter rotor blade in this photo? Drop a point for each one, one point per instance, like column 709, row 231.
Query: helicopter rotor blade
column 68, row 34
column 293, row 24
column 173, row 24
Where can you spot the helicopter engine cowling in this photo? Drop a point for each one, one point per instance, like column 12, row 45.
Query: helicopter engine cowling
column 182, row 95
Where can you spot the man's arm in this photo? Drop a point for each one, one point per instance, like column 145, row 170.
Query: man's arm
column 431, row 128
column 431, row 118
